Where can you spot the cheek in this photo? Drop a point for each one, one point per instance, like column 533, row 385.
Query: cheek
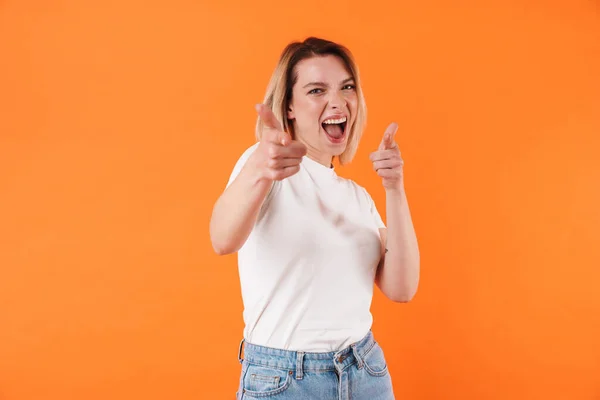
column 352, row 105
column 311, row 111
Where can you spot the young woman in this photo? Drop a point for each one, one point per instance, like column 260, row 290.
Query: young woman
column 311, row 244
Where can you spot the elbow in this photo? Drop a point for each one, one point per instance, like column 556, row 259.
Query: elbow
column 225, row 244
column 403, row 296
column 221, row 247
column 221, row 250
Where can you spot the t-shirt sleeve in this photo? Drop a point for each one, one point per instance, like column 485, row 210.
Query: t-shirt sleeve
column 241, row 162
column 374, row 212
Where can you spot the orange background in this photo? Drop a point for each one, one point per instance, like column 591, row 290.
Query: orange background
column 121, row 121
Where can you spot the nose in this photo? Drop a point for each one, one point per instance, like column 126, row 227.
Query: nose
column 337, row 101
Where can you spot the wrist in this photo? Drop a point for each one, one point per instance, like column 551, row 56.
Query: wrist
column 256, row 173
column 395, row 190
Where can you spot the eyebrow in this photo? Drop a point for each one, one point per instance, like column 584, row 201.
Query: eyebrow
column 324, row 84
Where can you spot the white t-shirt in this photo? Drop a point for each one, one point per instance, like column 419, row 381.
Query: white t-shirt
column 307, row 269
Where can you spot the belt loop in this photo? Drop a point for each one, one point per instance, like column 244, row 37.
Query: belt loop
column 359, row 359
column 299, row 362
column 240, row 359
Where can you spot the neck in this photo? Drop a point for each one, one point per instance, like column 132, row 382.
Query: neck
column 324, row 159
column 317, row 155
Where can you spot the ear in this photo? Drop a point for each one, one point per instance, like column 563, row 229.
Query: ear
column 290, row 112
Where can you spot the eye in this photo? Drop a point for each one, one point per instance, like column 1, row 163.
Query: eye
column 349, row 87
column 313, row 91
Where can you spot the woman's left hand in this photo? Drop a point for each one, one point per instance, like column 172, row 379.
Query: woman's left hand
column 387, row 161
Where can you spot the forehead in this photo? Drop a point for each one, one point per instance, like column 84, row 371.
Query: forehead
column 330, row 69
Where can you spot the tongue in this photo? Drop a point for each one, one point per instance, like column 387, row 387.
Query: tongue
column 334, row 130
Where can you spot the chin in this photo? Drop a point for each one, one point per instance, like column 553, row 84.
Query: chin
column 337, row 150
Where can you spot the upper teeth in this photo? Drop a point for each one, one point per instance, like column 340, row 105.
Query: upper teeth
column 335, row 121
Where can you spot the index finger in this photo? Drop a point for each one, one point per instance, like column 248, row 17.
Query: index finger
column 387, row 141
column 391, row 130
column 274, row 131
column 268, row 118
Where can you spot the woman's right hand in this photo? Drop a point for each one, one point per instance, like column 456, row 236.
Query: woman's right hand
column 277, row 156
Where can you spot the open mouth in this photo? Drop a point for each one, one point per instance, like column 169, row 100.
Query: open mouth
column 335, row 128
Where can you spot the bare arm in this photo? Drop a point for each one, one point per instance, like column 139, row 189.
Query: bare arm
column 235, row 212
column 399, row 270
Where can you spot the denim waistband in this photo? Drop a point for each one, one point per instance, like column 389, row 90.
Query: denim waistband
column 293, row 360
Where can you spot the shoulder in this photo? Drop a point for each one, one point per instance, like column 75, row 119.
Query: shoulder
column 359, row 189
column 366, row 202
column 241, row 161
column 249, row 150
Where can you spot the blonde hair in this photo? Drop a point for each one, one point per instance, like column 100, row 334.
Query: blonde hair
column 279, row 89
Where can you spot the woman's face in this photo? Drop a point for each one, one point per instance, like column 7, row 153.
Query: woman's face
column 323, row 106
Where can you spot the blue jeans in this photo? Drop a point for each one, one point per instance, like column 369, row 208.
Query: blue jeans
column 358, row 372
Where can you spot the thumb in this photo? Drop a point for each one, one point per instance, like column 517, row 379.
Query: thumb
column 387, row 142
column 283, row 138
